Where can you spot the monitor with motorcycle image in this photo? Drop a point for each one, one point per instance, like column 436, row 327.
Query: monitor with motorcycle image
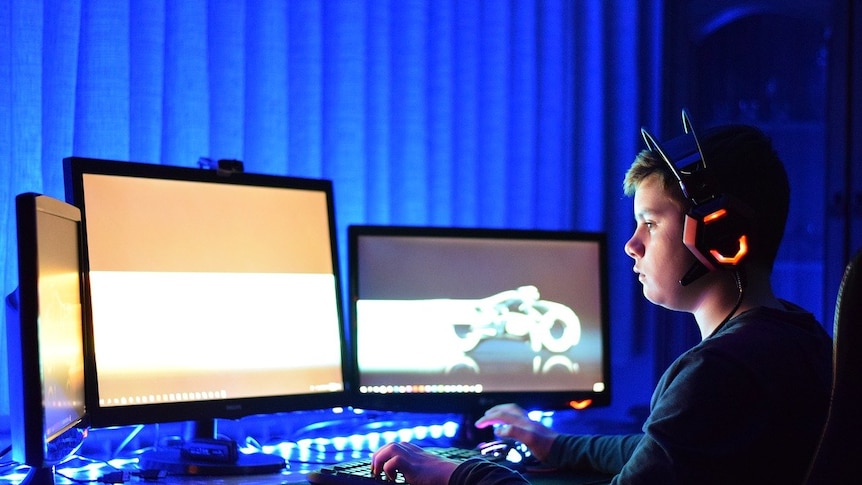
column 456, row 319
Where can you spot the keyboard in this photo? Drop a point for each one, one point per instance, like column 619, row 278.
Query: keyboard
column 358, row 472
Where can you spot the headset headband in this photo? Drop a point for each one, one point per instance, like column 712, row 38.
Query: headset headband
column 684, row 151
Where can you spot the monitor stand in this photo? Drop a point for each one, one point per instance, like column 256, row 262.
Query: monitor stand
column 203, row 454
column 39, row 476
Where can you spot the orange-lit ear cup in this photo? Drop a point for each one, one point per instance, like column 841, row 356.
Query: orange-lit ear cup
column 717, row 232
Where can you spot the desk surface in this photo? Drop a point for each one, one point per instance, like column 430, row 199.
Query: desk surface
column 288, row 477
column 293, row 475
column 108, row 449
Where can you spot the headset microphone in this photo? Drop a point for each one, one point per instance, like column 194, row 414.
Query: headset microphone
column 716, row 228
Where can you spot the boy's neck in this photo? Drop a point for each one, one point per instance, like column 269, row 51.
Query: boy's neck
column 722, row 302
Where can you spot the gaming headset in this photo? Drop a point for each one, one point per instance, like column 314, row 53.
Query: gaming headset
column 717, row 225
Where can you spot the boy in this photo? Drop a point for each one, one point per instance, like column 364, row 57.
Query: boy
column 745, row 405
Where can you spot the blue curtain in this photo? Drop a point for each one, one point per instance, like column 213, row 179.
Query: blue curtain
column 493, row 113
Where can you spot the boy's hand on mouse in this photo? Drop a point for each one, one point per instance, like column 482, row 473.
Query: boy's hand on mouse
column 511, row 421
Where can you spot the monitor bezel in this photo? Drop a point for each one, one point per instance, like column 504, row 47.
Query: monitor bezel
column 75, row 168
column 30, row 444
column 466, row 403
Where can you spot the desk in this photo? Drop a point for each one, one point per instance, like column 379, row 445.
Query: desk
column 297, row 476
column 287, row 478
column 299, row 439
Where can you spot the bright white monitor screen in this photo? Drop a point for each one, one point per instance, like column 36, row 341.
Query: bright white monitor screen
column 210, row 288
column 460, row 319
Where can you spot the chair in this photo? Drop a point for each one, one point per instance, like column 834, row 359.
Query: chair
column 839, row 455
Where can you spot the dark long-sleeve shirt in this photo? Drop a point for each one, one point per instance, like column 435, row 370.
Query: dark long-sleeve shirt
column 745, row 405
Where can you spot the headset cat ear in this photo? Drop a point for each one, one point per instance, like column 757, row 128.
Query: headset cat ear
column 688, row 126
column 654, row 146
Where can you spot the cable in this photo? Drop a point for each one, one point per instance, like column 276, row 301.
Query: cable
column 740, row 285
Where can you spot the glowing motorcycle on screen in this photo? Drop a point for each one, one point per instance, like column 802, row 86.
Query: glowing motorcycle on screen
column 520, row 315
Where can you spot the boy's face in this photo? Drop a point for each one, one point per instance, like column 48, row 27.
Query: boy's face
column 656, row 246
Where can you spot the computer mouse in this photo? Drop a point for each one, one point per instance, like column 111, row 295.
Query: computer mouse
column 508, row 452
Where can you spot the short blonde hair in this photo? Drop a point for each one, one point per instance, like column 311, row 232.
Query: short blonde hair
column 650, row 163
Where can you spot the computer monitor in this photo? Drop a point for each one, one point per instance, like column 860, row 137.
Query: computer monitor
column 44, row 332
column 461, row 319
column 214, row 294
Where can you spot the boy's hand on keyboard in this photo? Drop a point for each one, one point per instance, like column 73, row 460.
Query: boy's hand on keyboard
column 418, row 466
column 512, row 422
